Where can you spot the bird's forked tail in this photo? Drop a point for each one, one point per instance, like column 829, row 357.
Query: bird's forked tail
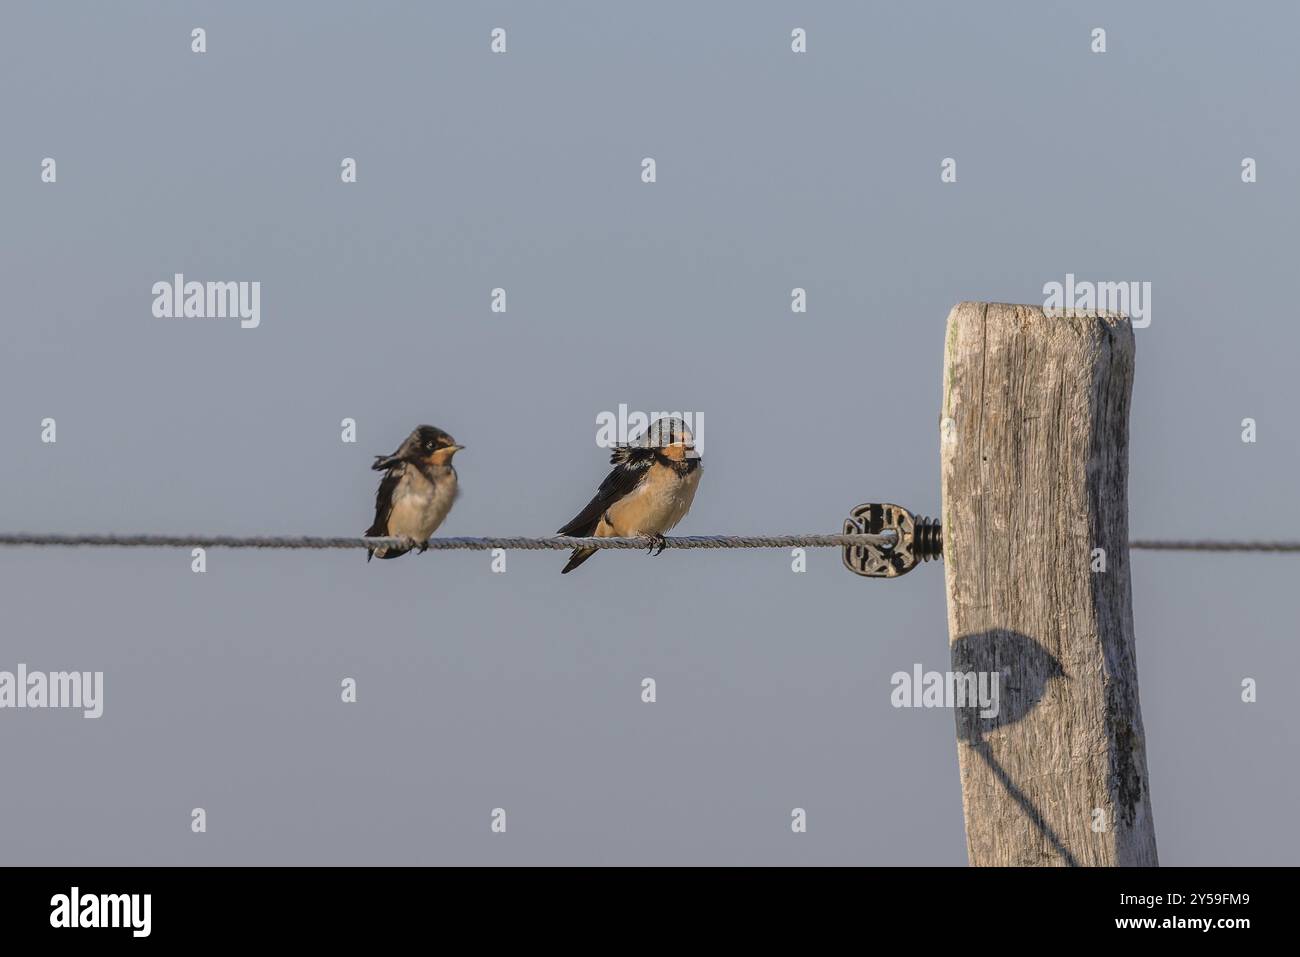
column 578, row 556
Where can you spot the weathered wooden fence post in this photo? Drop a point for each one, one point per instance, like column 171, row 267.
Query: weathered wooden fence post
column 1034, row 448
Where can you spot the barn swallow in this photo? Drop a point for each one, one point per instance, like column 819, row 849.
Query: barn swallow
column 416, row 494
column 648, row 492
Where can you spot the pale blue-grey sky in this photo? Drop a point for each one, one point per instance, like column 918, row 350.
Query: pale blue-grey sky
column 775, row 170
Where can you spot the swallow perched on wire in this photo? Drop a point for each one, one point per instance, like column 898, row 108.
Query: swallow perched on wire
column 416, row 494
column 648, row 492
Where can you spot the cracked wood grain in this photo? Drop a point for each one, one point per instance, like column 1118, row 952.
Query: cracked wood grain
column 1035, row 477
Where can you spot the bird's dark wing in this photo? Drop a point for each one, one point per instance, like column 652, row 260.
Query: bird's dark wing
column 384, row 501
column 626, row 476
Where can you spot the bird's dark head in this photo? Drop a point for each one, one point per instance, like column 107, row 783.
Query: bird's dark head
column 671, row 437
column 426, row 444
column 430, row 444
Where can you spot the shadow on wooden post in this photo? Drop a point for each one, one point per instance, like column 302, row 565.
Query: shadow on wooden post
column 1034, row 450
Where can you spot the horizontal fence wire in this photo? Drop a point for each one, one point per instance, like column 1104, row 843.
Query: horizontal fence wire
column 1209, row 545
column 561, row 542
column 558, row 542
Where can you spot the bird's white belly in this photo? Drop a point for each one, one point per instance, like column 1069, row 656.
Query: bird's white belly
column 656, row 506
column 420, row 508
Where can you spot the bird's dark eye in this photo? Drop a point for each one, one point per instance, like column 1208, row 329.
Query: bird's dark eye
column 429, row 446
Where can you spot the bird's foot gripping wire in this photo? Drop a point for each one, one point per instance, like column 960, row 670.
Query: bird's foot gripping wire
column 659, row 540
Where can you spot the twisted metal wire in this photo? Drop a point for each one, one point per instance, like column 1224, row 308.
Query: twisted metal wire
column 558, row 542
column 1209, row 545
column 562, row 542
